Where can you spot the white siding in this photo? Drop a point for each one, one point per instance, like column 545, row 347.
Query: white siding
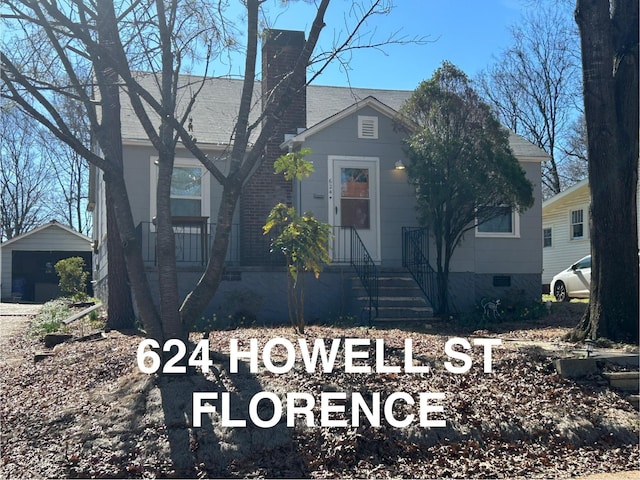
column 564, row 251
column 5, row 273
column 50, row 237
column 557, row 216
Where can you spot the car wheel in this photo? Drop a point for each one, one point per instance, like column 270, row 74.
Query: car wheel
column 560, row 292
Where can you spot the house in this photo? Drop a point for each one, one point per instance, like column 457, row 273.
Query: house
column 358, row 187
column 28, row 261
column 565, row 229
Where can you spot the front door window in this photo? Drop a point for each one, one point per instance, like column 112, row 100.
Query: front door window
column 355, row 202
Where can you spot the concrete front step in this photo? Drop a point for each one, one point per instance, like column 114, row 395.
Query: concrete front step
column 625, row 381
column 403, row 315
column 398, row 301
column 634, row 400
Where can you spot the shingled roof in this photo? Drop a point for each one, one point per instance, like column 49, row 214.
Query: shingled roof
column 216, row 107
column 217, row 104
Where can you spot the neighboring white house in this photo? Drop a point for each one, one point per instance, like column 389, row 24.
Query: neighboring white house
column 27, row 261
column 565, row 229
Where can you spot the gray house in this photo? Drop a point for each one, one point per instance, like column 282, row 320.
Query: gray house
column 381, row 257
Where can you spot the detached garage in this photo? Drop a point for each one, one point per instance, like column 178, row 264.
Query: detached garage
column 27, row 262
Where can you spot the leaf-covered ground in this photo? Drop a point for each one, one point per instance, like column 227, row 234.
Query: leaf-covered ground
column 88, row 412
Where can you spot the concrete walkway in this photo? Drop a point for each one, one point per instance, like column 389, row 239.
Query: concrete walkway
column 14, row 317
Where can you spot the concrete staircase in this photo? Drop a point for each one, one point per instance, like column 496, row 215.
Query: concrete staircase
column 400, row 300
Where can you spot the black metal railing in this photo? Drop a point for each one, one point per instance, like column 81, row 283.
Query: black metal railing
column 340, row 244
column 256, row 247
column 365, row 267
column 193, row 243
column 415, row 258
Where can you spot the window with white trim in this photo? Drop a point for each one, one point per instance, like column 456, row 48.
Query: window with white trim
column 498, row 221
column 547, row 238
column 577, row 224
column 186, row 191
column 367, row 127
column 189, row 193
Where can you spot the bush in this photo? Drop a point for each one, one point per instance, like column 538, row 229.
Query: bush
column 73, row 277
column 51, row 316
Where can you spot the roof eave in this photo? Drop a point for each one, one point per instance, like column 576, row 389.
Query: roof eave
column 559, row 196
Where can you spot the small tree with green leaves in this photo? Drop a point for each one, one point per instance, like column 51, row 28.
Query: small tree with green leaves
column 73, row 276
column 303, row 240
column 460, row 163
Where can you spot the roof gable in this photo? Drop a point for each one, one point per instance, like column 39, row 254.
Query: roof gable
column 51, row 224
column 369, row 101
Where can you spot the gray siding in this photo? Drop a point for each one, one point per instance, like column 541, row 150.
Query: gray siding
column 397, row 204
column 475, row 264
column 506, row 255
column 138, row 175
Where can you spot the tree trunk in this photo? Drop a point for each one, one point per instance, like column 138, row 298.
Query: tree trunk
column 138, row 281
column 610, row 71
column 442, row 283
column 196, row 301
column 166, row 254
column 172, row 326
column 120, row 314
column 109, row 136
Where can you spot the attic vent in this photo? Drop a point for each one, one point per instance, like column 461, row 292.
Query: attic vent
column 367, row 127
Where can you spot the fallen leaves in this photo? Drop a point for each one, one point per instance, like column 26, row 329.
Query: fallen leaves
column 87, row 412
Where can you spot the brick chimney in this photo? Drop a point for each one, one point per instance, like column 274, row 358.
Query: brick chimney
column 280, row 51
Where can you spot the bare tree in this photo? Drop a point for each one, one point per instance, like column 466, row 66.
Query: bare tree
column 534, row 86
column 41, row 177
column 70, row 170
column 609, row 36
column 576, row 162
column 45, row 63
column 162, row 37
column 24, row 177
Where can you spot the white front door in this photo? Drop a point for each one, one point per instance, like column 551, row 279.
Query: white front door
column 354, row 202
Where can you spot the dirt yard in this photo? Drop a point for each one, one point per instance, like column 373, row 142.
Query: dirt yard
column 88, row 412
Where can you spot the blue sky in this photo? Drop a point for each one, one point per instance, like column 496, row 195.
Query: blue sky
column 466, row 32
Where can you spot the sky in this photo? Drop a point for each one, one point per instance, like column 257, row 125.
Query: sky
column 468, row 33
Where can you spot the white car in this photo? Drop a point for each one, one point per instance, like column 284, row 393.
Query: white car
column 574, row 282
